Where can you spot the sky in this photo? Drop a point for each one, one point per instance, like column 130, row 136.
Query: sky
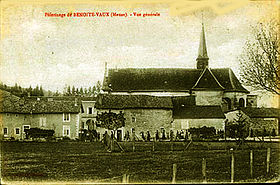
column 55, row 51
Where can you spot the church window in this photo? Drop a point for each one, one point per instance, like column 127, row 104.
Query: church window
column 241, row 102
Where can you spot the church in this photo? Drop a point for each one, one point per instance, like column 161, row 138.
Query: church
column 173, row 98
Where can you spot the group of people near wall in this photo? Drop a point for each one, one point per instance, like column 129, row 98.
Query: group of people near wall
column 147, row 136
column 165, row 136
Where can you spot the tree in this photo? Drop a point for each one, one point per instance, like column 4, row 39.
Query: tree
column 260, row 59
column 56, row 93
column 93, row 90
column 68, row 91
column 41, row 92
column 98, row 87
column 36, row 91
column 85, row 91
column 81, row 91
column 239, row 127
column 111, row 121
column 73, row 90
column 77, row 91
column 29, row 91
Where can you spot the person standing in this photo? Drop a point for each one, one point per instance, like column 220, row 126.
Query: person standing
column 157, row 135
column 171, row 135
column 148, row 136
column 143, row 136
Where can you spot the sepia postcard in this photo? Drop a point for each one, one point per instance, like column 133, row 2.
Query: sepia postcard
column 139, row 91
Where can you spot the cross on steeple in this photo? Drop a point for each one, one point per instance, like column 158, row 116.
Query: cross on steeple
column 202, row 59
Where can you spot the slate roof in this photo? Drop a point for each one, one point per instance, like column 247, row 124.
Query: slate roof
column 207, row 81
column 180, row 101
column 199, row 112
column 254, row 112
column 12, row 104
column 109, row 101
column 167, row 79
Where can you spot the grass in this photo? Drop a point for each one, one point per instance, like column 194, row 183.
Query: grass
column 90, row 162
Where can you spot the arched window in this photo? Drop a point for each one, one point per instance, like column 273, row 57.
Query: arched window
column 241, row 102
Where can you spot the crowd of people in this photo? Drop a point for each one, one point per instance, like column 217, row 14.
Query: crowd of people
column 147, row 136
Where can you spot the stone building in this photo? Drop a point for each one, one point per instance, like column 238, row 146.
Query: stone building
column 142, row 113
column 213, row 90
column 61, row 114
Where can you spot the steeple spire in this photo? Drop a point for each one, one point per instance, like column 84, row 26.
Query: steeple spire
column 202, row 59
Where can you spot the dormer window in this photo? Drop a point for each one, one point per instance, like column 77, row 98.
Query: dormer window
column 66, row 117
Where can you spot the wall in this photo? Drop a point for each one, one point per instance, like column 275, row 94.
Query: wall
column 267, row 123
column 85, row 116
column 53, row 121
column 180, row 124
column 252, row 101
column 208, row 97
column 237, row 95
column 145, row 120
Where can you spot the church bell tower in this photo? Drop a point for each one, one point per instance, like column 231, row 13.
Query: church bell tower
column 202, row 59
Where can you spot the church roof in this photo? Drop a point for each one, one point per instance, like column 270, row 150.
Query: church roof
column 110, row 101
column 182, row 101
column 254, row 112
column 202, row 50
column 207, row 81
column 199, row 112
column 169, row 79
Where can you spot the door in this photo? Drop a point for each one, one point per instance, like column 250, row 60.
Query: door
column 25, row 127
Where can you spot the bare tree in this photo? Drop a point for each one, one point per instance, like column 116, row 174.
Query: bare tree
column 260, row 59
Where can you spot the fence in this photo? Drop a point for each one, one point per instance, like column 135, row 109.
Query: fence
column 174, row 169
column 133, row 146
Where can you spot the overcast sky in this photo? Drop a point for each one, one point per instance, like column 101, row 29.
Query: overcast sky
column 53, row 51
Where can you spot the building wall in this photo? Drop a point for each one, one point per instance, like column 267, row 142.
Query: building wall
column 252, row 101
column 235, row 96
column 52, row 121
column 268, row 123
column 208, row 97
column 148, row 119
column 143, row 120
column 86, row 116
column 180, row 124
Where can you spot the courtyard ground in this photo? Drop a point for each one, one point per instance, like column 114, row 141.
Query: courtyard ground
column 90, row 162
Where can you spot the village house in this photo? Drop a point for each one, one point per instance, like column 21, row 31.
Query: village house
column 61, row 114
column 88, row 112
